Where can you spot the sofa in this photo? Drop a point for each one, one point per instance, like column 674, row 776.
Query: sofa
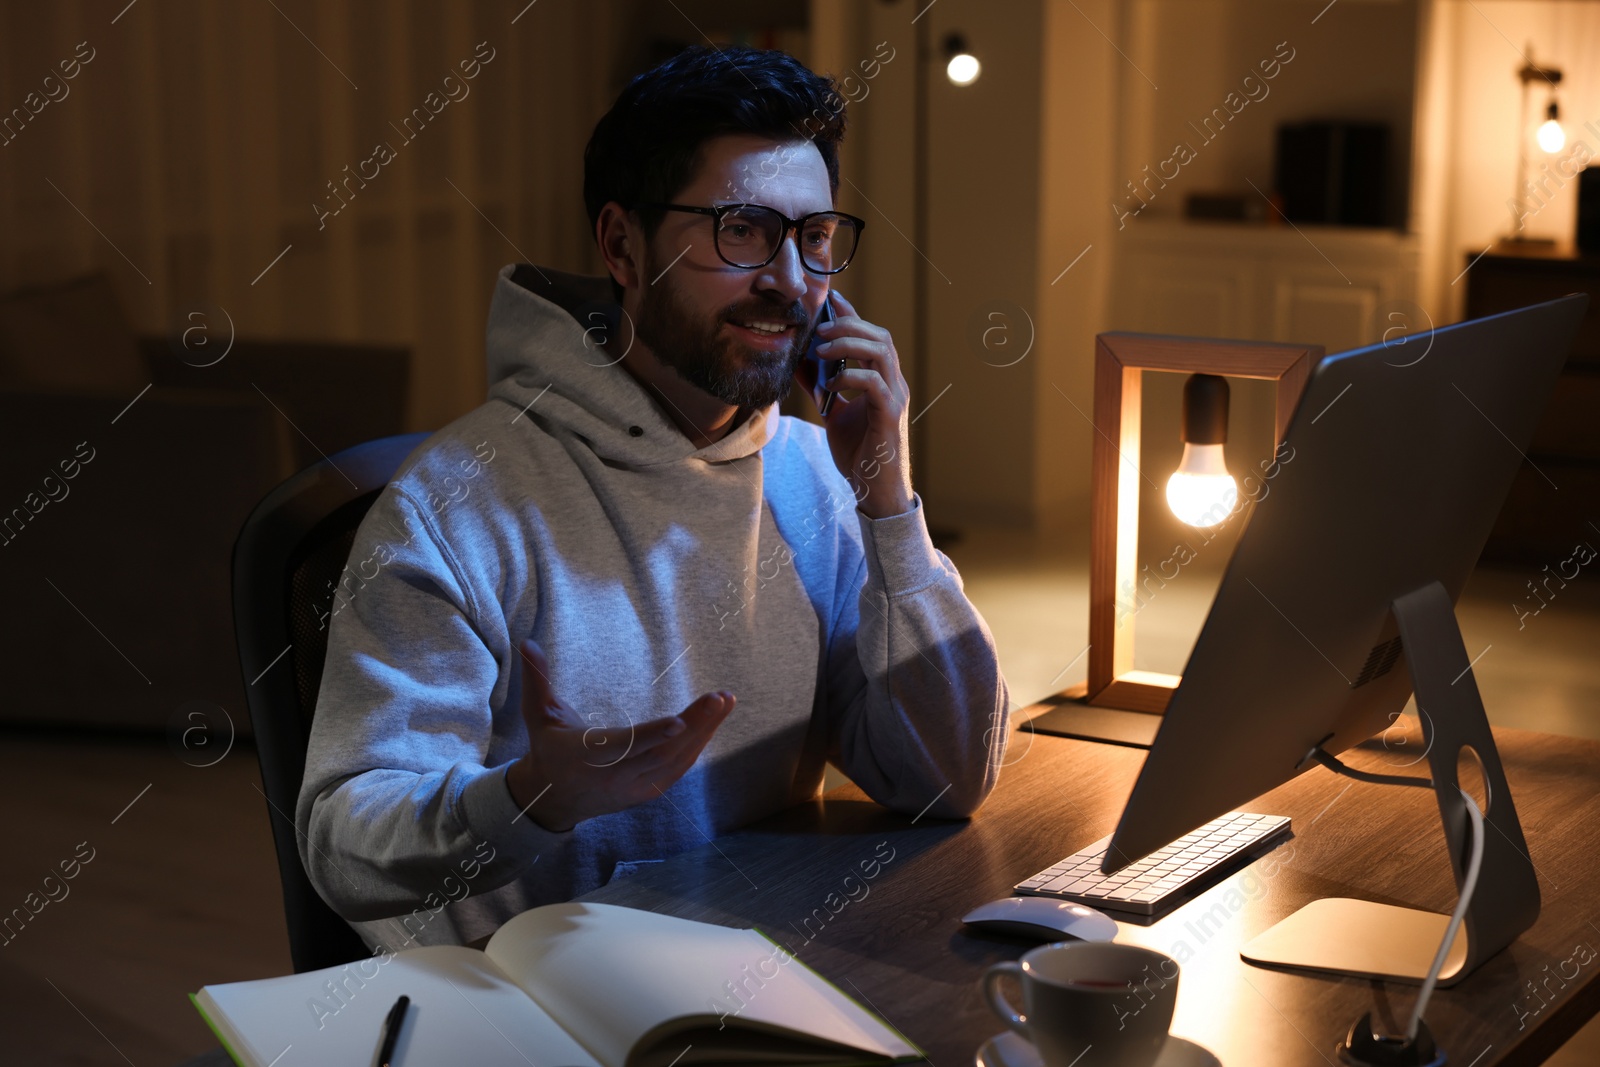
column 130, row 463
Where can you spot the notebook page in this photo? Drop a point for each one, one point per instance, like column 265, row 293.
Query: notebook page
column 463, row 1010
column 612, row 974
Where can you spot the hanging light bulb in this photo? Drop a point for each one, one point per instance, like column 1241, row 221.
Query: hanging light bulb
column 1552, row 138
column 1201, row 492
column 961, row 66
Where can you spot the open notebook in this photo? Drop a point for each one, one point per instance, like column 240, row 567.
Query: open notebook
column 564, row 985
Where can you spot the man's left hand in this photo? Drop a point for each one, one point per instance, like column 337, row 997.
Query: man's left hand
column 868, row 436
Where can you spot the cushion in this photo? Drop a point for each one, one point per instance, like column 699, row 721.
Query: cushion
column 69, row 335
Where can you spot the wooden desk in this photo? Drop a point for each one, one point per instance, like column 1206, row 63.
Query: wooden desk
column 897, row 943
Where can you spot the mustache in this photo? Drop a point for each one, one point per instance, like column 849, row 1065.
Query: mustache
column 794, row 315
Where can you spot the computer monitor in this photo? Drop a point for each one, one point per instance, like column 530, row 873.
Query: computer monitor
column 1339, row 600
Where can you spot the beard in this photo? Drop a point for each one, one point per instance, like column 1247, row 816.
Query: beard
column 707, row 356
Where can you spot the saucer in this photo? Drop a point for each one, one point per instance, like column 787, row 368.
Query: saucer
column 1009, row 1049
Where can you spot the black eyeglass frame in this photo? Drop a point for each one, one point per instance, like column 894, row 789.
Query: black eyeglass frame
column 789, row 225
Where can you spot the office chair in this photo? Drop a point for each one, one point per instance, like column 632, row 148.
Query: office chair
column 289, row 553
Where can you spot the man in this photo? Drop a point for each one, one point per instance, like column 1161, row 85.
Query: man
column 624, row 607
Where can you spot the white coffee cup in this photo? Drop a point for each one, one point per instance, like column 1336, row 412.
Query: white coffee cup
column 1092, row 1004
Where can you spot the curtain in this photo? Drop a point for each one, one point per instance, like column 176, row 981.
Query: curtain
column 350, row 169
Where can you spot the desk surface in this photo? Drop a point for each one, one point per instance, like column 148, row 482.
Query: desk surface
column 896, row 940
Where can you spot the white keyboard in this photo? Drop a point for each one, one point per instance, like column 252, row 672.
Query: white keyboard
column 1145, row 886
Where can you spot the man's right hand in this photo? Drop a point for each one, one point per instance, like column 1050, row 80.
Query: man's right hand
column 574, row 772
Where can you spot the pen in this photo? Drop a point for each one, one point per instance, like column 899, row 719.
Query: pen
column 391, row 1030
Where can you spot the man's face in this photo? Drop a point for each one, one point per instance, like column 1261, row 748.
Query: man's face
column 692, row 304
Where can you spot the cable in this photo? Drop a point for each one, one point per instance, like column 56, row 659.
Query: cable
column 1334, row 764
column 1467, row 887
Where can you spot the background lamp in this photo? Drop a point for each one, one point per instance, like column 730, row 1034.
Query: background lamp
column 1549, row 136
column 1552, row 138
column 961, row 66
column 1201, row 492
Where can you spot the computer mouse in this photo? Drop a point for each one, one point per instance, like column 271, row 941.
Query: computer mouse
column 1043, row 918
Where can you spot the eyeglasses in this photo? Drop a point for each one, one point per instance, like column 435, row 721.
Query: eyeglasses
column 749, row 235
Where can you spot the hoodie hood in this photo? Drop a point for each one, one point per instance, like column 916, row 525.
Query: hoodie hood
column 545, row 360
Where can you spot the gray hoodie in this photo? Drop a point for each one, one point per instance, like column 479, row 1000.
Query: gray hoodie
column 569, row 508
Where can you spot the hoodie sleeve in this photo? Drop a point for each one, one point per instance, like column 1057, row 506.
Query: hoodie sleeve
column 918, row 710
column 397, row 804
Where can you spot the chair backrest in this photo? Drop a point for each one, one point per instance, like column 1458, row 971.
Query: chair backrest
column 288, row 558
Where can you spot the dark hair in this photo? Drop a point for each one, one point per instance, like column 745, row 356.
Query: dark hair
column 648, row 146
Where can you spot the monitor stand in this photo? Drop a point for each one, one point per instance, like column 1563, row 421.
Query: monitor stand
column 1374, row 940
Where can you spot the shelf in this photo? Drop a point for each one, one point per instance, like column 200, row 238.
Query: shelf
column 1253, row 235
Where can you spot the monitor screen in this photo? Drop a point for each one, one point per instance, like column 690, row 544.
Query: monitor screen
column 1393, row 469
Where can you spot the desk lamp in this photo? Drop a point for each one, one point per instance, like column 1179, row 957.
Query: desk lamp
column 1099, row 709
column 1201, row 492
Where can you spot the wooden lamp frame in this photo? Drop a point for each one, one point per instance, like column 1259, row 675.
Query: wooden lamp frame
column 1120, row 360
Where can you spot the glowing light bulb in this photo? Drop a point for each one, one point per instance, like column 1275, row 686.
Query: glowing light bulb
column 1552, row 138
column 1201, row 492
column 963, row 69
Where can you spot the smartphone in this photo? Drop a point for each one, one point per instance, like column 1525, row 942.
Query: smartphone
column 826, row 368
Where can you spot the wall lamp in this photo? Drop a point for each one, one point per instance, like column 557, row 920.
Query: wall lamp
column 961, row 66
